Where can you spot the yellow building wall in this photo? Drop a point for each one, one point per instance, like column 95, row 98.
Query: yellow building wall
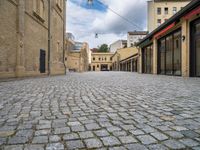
column 152, row 11
column 97, row 59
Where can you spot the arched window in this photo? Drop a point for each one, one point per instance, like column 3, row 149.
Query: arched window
column 42, row 8
column 35, row 5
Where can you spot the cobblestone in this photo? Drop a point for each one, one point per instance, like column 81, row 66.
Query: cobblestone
column 104, row 110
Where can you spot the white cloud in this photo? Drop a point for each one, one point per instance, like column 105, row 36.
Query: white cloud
column 84, row 23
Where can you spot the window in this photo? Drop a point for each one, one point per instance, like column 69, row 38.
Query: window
column 38, row 10
column 159, row 11
column 110, row 58
column 105, row 58
column 94, row 58
column 35, row 6
column 97, row 66
column 170, row 54
column 42, row 8
column 99, row 58
column 147, row 59
column 166, row 10
column 159, row 22
column 174, row 10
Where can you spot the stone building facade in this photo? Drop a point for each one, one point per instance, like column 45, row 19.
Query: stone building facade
column 174, row 47
column 78, row 58
column 161, row 10
column 32, row 37
column 101, row 61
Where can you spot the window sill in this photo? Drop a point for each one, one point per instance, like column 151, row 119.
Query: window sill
column 38, row 17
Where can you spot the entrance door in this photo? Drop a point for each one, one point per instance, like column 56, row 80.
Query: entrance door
column 42, row 61
column 195, row 49
column 104, row 67
column 93, row 68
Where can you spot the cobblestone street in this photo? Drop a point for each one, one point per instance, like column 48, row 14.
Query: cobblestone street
column 105, row 110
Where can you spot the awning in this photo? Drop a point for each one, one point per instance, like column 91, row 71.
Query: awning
column 192, row 13
column 157, row 35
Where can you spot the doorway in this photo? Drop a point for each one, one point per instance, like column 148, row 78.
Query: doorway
column 42, row 61
column 195, row 49
column 104, row 67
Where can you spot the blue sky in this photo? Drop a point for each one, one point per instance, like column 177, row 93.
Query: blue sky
column 95, row 5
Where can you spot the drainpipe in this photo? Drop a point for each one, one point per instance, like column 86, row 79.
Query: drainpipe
column 64, row 30
column 49, row 37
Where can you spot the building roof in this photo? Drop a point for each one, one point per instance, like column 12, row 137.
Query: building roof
column 192, row 5
column 138, row 32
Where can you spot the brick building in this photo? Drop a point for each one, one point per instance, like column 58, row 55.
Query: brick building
column 32, row 37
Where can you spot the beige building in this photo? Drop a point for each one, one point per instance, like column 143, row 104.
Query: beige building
column 174, row 47
column 117, row 45
column 134, row 37
column 32, row 37
column 78, row 58
column 101, row 61
column 125, row 59
column 161, row 10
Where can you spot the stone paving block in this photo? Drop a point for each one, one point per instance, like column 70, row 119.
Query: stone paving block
column 174, row 134
column 75, row 144
column 110, row 141
column 92, row 126
column 86, row 134
column 136, row 147
column 62, row 130
column 54, row 138
column 127, row 139
column 173, row 144
column 147, row 139
column 93, row 143
column 117, row 148
column 13, row 147
column 190, row 134
column 55, row 146
column 34, row 147
column 71, row 136
column 159, row 136
column 136, row 132
column 40, row 139
column 189, row 142
column 157, row 147
column 17, row 140
column 78, row 128
column 101, row 133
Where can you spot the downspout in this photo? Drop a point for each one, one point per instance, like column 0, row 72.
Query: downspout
column 49, row 37
column 64, row 30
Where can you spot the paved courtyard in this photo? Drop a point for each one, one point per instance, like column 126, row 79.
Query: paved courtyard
column 108, row 110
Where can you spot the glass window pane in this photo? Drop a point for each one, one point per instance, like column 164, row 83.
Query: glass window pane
column 177, row 53
column 198, row 57
column 162, row 56
column 169, row 48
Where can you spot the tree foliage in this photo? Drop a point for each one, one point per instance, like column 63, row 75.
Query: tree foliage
column 104, row 48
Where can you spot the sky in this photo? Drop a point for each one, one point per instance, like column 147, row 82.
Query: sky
column 84, row 20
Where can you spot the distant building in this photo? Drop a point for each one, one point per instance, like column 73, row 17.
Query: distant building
column 161, row 10
column 78, row 58
column 117, row 45
column 101, row 61
column 125, row 59
column 134, row 37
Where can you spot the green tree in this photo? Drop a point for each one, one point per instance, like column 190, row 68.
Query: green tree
column 104, row 48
